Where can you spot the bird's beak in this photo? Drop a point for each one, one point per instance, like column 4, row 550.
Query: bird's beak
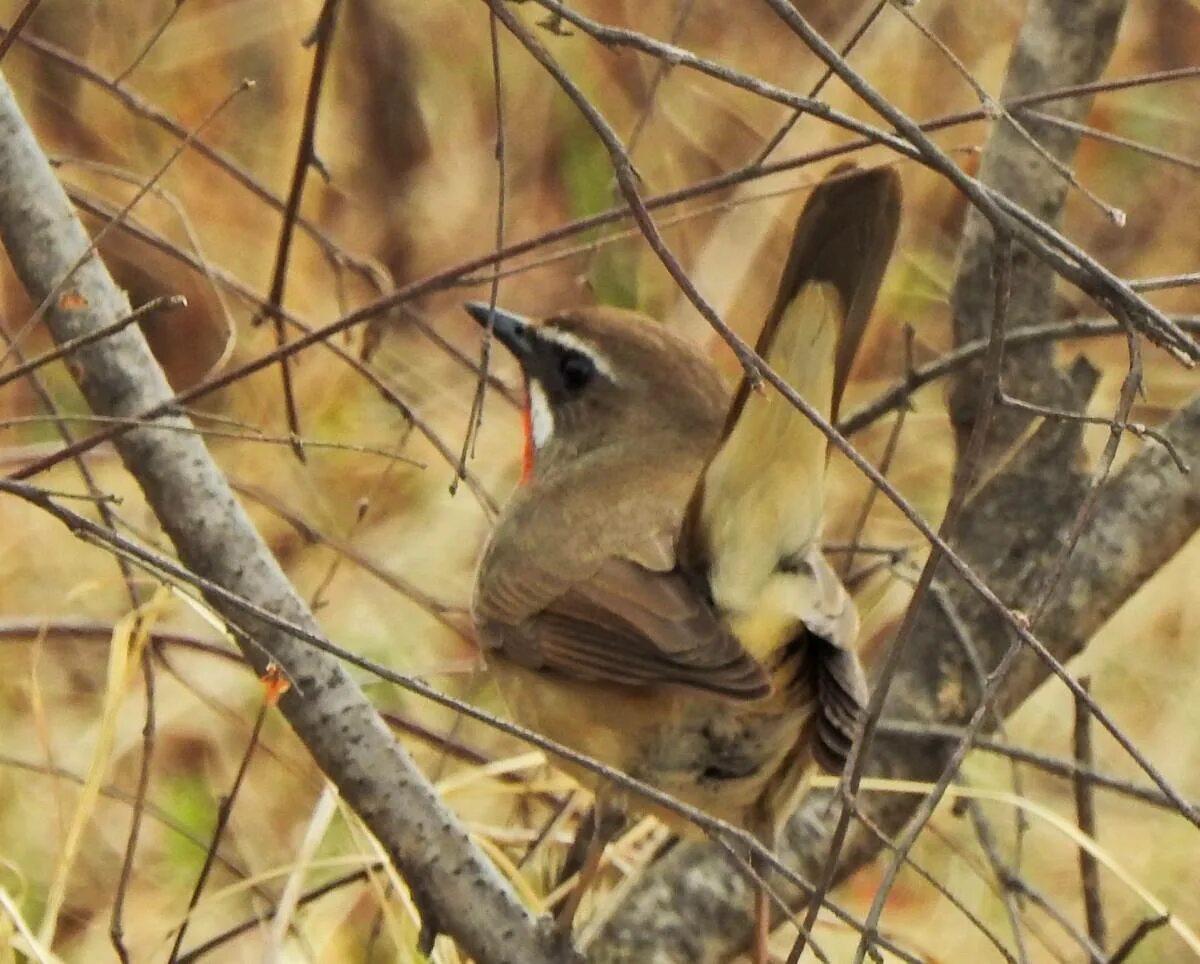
column 514, row 332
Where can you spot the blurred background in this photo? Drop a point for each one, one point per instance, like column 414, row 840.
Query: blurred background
column 368, row 527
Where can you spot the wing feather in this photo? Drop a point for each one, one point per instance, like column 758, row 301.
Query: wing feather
column 625, row 624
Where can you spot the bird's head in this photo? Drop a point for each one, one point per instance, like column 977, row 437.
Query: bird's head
column 602, row 377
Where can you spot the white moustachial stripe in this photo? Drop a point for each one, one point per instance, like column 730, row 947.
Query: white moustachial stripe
column 541, row 420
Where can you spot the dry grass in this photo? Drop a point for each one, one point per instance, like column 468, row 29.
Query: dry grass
column 407, row 133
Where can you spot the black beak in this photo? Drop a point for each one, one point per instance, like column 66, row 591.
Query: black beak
column 514, row 332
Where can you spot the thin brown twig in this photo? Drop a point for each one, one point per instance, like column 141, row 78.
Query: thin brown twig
column 441, row 611
column 968, row 467
column 970, row 650
column 17, row 336
column 254, row 435
column 177, row 207
column 306, row 158
column 885, row 462
column 116, row 929
column 1085, row 813
column 475, row 416
column 956, row 902
column 1188, row 280
column 310, row 336
column 250, row 923
column 1134, row 428
column 370, row 271
column 1143, row 930
column 224, row 809
column 1130, row 387
column 993, row 108
column 317, row 601
column 156, row 813
column 1058, row 766
column 1004, row 874
column 153, row 39
column 1108, row 137
column 777, row 138
column 1055, row 913
column 987, row 878
column 165, row 303
column 18, row 24
column 952, row 361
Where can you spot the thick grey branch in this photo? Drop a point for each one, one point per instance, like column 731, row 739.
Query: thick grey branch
column 1061, row 41
column 449, row 877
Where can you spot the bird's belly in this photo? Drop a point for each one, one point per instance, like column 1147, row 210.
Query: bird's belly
column 739, row 762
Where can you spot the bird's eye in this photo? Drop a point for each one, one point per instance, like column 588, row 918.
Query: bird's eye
column 576, row 370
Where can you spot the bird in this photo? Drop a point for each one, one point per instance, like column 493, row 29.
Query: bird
column 654, row 593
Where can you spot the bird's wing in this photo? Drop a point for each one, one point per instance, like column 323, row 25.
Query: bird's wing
column 841, row 686
column 624, row 623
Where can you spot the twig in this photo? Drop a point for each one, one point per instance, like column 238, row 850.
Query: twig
column 116, row 929
column 899, row 393
column 1004, row 875
column 1139, row 934
column 215, row 382
column 965, row 473
column 135, row 104
column 250, row 923
column 1095, row 954
column 306, row 157
column 885, row 462
column 154, row 38
column 1114, row 424
column 1170, row 281
column 18, row 24
column 166, row 303
column 994, row 108
column 1129, row 389
column 224, row 808
column 69, row 298
column 950, row 896
column 475, row 417
column 1085, row 811
column 1109, row 138
column 796, row 114
column 1058, row 766
column 970, row 650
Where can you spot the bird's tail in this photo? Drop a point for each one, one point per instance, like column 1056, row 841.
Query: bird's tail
column 762, row 495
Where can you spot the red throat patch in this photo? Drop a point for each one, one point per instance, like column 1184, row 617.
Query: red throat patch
column 527, row 453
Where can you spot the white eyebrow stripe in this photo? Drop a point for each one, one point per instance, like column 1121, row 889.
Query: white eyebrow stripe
column 574, row 343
